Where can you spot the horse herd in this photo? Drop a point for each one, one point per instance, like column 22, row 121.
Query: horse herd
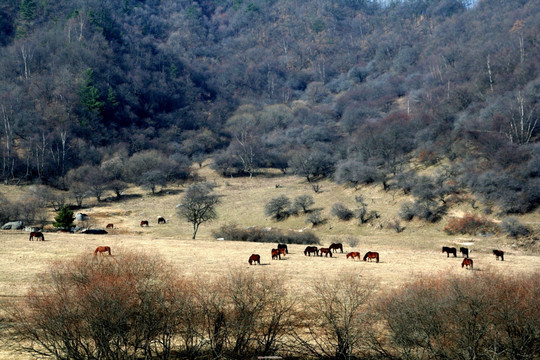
column 467, row 261
column 326, row 251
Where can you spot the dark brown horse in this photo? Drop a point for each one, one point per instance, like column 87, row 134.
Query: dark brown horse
column 370, row 255
column 37, row 235
column 254, row 258
column 336, row 247
column 499, row 253
column 449, row 250
column 282, row 251
column 276, row 254
column 353, row 255
column 310, row 250
column 109, row 226
column 144, row 223
column 161, row 220
column 467, row 262
column 325, row 251
column 464, row 251
column 102, row 250
column 283, row 246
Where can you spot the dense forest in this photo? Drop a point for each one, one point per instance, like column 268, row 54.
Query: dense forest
column 102, row 93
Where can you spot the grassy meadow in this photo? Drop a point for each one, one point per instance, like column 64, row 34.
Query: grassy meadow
column 404, row 256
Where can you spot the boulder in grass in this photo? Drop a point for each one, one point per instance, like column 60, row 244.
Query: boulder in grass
column 13, row 225
column 81, row 217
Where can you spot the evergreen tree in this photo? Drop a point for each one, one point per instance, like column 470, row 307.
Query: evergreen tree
column 64, row 219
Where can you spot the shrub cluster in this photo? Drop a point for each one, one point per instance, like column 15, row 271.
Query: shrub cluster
column 424, row 210
column 469, row 224
column 256, row 234
column 513, row 228
column 134, row 307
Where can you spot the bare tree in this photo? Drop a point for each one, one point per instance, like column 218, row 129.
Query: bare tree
column 198, row 205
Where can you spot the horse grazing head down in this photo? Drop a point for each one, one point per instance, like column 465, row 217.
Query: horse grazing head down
column 144, row 223
column 276, row 254
column 325, row 251
column 109, row 226
column 370, row 255
column 102, row 249
column 161, row 220
column 467, row 262
column 254, row 258
column 353, row 255
column 37, row 235
column 311, row 249
column 283, row 246
column 336, row 247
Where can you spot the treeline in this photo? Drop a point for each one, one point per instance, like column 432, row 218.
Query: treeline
column 352, row 90
column 135, row 306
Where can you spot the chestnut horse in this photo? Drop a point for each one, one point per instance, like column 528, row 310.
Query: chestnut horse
column 354, row 254
column 109, row 226
column 449, row 250
column 467, row 262
column 254, row 258
column 37, row 235
column 498, row 253
column 144, row 223
column 336, row 247
column 464, row 251
column 102, row 250
column 371, row 255
column 310, row 250
column 325, row 251
column 276, row 254
column 282, row 251
column 283, row 246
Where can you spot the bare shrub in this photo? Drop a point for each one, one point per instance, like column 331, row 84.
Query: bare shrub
column 303, row 202
column 396, row 225
column 469, row 224
column 334, row 320
column 342, row 212
column 277, row 208
column 121, row 307
column 315, row 218
column 352, row 241
column 494, row 316
column 255, row 234
column 513, row 228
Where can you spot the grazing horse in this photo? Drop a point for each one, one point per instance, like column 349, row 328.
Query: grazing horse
column 109, row 226
column 336, row 247
column 498, row 253
column 464, row 251
column 276, row 254
column 102, row 250
column 467, row 262
column 37, row 235
column 161, row 220
column 354, row 254
column 310, row 250
column 144, row 223
column 325, row 251
column 371, row 255
column 449, row 250
column 254, row 258
column 283, row 246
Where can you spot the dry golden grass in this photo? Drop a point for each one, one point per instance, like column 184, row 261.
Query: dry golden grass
column 404, row 256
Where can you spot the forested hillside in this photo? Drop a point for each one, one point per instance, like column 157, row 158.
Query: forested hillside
column 101, row 93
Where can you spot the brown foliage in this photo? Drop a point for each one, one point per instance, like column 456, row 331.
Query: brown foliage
column 469, row 224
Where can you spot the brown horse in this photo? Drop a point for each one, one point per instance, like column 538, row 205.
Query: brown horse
column 161, row 220
column 449, row 250
column 102, row 250
column 467, row 262
column 336, row 247
column 282, row 251
column 276, row 254
column 353, row 255
column 283, row 246
column 254, row 258
column 37, row 235
column 144, row 223
column 310, row 250
column 371, row 255
column 499, row 253
column 325, row 251
column 109, row 226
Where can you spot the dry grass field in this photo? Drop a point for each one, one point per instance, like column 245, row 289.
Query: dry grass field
column 404, row 256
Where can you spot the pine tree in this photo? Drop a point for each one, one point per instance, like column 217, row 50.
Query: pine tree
column 64, row 219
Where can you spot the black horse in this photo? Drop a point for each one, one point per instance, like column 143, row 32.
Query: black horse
column 464, row 251
column 449, row 250
column 499, row 253
column 283, row 246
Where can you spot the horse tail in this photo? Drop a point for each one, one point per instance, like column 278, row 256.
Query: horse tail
column 95, row 252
